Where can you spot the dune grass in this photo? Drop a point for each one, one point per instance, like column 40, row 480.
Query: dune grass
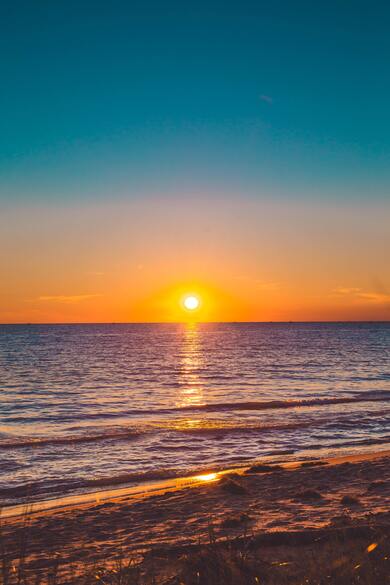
column 335, row 557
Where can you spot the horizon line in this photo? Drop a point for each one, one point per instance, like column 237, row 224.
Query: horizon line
column 28, row 323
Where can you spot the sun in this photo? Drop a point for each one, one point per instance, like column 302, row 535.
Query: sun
column 191, row 302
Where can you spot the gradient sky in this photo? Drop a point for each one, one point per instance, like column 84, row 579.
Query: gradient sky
column 237, row 149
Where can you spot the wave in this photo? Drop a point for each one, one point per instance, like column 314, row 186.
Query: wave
column 223, row 429
column 207, row 427
column 377, row 396
column 372, row 396
column 69, row 440
column 120, row 435
column 354, row 443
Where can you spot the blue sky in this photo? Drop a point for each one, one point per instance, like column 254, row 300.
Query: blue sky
column 126, row 99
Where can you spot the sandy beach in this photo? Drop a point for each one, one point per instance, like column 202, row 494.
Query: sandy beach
column 274, row 505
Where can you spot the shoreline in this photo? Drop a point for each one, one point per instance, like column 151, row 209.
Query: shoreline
column 156, row 487
column 273, row 508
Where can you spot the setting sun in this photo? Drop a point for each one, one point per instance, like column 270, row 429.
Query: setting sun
column 191, row 302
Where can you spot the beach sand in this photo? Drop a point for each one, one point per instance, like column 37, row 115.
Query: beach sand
column 273, row 506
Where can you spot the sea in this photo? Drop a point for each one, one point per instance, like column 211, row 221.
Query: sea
column 86, row 407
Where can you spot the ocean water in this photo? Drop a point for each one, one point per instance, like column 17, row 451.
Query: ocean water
column 86, row 406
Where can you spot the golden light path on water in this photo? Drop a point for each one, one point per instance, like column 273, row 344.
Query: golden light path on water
column 191, row 392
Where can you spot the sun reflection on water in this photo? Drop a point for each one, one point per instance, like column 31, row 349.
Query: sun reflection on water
column 207, row 477
column 191, row 392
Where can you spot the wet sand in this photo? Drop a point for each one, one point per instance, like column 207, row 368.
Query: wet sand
column 266, row 501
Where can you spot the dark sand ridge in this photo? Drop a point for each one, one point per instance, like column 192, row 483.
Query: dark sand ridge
column 345, row 492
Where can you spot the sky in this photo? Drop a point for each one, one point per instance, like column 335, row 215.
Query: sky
column 236, row 150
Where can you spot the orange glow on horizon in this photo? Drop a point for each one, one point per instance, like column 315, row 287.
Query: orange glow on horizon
column 243, row 260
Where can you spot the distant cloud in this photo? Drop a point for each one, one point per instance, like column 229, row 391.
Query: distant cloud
column 263, row 285
column 66, row 298
column 374, row 297
column 345, row 290
column 357, row 294
column 266, row 98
